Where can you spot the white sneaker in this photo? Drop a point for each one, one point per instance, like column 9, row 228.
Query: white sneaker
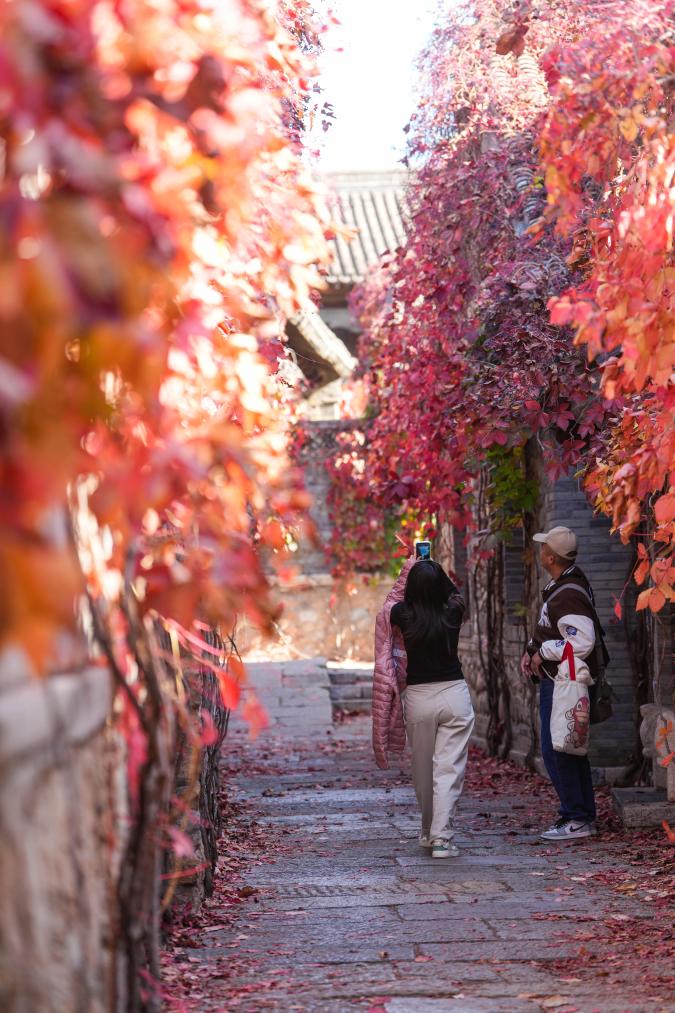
column 571, row 831
column 444, row 849
column 424, row 840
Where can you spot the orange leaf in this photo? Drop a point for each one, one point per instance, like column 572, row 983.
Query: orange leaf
column 173, row 601
column 628, row 128
column 230, row 690
column 236, row 669
column 255, row 714
column 562, row 312
column 657, row 599
column 669, row 833
column 618, row 611
column 36, row 636
column 273, row 535
column 641, row 571
column 664, row 510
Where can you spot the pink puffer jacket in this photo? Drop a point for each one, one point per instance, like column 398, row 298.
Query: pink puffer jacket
column 389, row 677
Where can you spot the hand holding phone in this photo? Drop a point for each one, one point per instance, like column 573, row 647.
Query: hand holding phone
column 422, row 550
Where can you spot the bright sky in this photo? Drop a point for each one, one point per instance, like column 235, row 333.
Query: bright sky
column 371, row 83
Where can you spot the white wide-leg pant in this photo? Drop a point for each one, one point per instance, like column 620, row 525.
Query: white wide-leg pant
column 439, row 720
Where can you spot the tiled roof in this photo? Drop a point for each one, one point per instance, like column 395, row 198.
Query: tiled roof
column 374, row 204
column 322, row 342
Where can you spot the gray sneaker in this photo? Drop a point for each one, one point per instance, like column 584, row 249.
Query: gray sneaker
column 570, row 831
column 444, row 849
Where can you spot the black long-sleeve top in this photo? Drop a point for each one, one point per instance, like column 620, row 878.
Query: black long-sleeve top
column 434, row 659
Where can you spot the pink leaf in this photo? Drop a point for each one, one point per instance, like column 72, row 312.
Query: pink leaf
column 181, row 845
column 209, row 734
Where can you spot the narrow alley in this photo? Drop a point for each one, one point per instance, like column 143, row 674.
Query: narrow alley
column 326, row 902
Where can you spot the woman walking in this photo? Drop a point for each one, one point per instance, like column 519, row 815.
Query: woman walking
column 419, row 689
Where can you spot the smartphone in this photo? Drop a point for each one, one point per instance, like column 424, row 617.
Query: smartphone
column 423, row 550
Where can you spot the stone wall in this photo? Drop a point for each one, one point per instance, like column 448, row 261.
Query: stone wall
column 321, row 616
column 61, row 804
column 64, row 822
column 351, row 688
column 523, row 698
column 320, row 444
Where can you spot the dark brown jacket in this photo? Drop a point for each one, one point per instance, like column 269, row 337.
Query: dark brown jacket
column 568, row 614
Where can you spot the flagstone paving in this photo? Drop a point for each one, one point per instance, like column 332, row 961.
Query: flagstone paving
column 345, row 911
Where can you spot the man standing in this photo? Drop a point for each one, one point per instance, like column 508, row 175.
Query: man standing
column 567, row 616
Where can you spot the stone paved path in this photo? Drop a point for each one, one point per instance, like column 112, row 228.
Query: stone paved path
column 350, row 913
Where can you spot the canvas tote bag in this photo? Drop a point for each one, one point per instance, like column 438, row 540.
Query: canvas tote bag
column 571, row 710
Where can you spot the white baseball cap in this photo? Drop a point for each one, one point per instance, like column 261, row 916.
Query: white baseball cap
column 563, row 541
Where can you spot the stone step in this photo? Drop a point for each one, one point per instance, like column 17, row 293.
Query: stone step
column 351, row 687
column 346, row 677
column 338, row 694
column 643, row 807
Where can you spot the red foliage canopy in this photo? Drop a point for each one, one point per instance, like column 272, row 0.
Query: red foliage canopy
column 608, row 149
column 542, row 179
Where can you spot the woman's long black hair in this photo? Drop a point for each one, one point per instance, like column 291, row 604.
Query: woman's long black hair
column 427, row 591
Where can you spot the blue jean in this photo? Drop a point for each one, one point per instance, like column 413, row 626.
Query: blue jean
column 571, row 775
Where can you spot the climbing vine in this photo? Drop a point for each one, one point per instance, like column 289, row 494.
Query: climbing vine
column 468, row 291
column 608, row 150
column 530, row 312
column 533, row 298
column 511, row 491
